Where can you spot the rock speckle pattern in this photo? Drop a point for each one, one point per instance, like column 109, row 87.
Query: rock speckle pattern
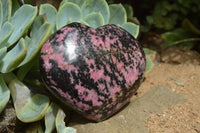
column 94, row 71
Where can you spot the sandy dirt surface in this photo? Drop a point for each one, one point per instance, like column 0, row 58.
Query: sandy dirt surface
column 183, row 117
column 183, row 78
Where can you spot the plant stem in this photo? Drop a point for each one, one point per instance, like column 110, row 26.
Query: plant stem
column 184, row 40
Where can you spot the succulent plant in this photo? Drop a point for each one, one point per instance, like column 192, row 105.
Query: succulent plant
column 23, row 34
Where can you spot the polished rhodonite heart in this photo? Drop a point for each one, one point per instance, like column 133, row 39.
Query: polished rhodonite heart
column 94, row 71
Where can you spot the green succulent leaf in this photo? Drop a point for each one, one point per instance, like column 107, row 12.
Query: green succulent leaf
column 95, row 20
column 177, row 35
column 60, row 124
column 187, row 24
column 38, row 22
column 129, row 10
column 14, row 57
column 149, row 64
column 101, row 6
column 117, row 14
column 29, row 107
column 149, row 51
column 7, row 9
column 132, row 28
column 21, row 20
column 27, row 41
column 149, row 55
column 5, row 33
column 78, row 2
column 23, row 70
column 83, row 22
column 50, row 13
column 1, row 14
column 2, row 53
column 34, row 109
column 38, row 39
column 4, row 94
column 50, row 118
column 68, row 11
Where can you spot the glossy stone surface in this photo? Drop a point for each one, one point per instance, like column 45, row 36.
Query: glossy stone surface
column 94, row 71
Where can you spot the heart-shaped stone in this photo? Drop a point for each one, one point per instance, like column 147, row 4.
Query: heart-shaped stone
column 94, row 71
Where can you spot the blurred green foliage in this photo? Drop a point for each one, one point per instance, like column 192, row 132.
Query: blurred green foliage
column 176, row 21
column 110, row 1
column 168, row 14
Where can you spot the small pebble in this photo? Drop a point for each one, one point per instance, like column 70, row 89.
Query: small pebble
column 173, row 79
column 180, row 83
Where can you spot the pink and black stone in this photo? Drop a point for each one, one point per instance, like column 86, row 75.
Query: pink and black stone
column 94, row 71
